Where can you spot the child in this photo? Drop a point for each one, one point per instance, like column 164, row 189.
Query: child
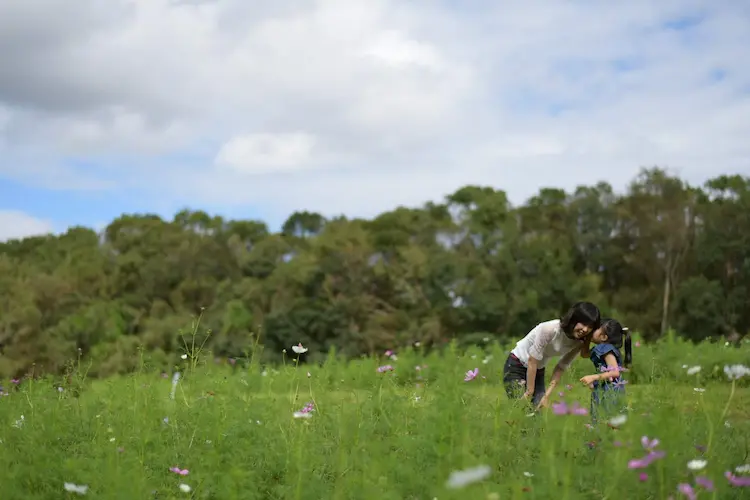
column 608, row 391
column 523, row 373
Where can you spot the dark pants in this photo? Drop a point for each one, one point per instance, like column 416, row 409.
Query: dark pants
column 514, row 379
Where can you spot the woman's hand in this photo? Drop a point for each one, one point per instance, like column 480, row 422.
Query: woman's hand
column 589, row 380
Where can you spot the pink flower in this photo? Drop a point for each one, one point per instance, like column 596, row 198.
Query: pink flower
column 637, row 343
column 642, row 463
column 574, row 409
column 388, row 353
column 15, row 381
column 309, row 407
column 569, row 387
column 181, row 472
column 385, row 368
column 737, row 480
column 643, row 477
column 471, row 375
column 687, row 490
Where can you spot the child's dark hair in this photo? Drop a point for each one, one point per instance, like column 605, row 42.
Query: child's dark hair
column 585, row 313
column 618, row 335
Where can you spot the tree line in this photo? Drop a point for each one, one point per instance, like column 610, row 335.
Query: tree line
column 662, row 255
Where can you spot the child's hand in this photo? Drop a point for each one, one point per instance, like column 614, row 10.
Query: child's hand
column 589, row 380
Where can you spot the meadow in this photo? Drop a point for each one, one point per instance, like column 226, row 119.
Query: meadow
column 400, row 426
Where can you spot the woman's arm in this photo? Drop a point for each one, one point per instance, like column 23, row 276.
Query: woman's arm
column 531, row 369
column 560, row 368
column 542, row 336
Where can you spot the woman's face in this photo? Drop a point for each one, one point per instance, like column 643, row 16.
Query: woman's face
column 580, row 331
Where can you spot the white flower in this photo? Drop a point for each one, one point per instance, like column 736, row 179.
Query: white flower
column 19, row 422
column 618, row 420
column 699, row 389
column 184, row 356
column 735, row 372
column 299, row 414
column 461, row 478
column 111, row 440
column 175, row 380
column 528, row 474
column 693, row 370
column 185, row 488
column 697, row 464
column 742, row 469
column 74, row 488
column 299, row 349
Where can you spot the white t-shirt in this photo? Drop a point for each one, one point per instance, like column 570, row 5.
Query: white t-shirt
column 547, row 341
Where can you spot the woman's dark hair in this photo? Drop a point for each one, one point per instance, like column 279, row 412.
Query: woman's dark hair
column 585, row 313
column 618, row 335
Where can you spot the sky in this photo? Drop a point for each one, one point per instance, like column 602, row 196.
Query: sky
column 257, row 109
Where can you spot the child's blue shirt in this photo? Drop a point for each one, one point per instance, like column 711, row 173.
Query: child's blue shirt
column 598, row 353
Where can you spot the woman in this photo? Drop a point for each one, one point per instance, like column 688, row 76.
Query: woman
column 523, row 373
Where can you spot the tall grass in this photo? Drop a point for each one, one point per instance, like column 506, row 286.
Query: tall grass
column 395, row 434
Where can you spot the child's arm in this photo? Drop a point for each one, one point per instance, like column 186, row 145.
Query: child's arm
column 612, row 372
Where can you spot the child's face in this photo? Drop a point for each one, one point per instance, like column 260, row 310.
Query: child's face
column 599, row 337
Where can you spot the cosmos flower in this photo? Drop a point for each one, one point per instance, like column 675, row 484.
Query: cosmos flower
column 299, row 349
column 461, row 478
column 75, row 488
column 471, row 374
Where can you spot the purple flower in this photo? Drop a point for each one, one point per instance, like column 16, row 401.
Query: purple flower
column 736, row 480
column 687, row 490
column 704, row 483
column 563, row 409
column 471, row 375
column 385, row 368
column 643, row 477
column 649, row 444
column 642, row 463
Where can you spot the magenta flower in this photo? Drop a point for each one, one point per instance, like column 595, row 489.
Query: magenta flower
column 181, row 472
column 687, row 490
column 385, row 368
column 737, row 480
column 15, row 381
column 471, row 375
column 308, row 407
column 574, row 409
column 642, row 463
column 643, row 477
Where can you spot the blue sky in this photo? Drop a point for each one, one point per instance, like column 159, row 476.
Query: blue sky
column 355, row 106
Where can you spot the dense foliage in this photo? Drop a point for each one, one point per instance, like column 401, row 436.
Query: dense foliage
column 663, row 255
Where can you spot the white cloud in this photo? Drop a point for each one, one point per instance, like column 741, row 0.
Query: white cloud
column 363, row 104
column 15, row 224
column 263, row 153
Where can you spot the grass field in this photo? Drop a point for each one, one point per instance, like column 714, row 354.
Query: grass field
column 396, row 434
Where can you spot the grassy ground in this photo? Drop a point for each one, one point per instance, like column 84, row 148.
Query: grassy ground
column 393, row 435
